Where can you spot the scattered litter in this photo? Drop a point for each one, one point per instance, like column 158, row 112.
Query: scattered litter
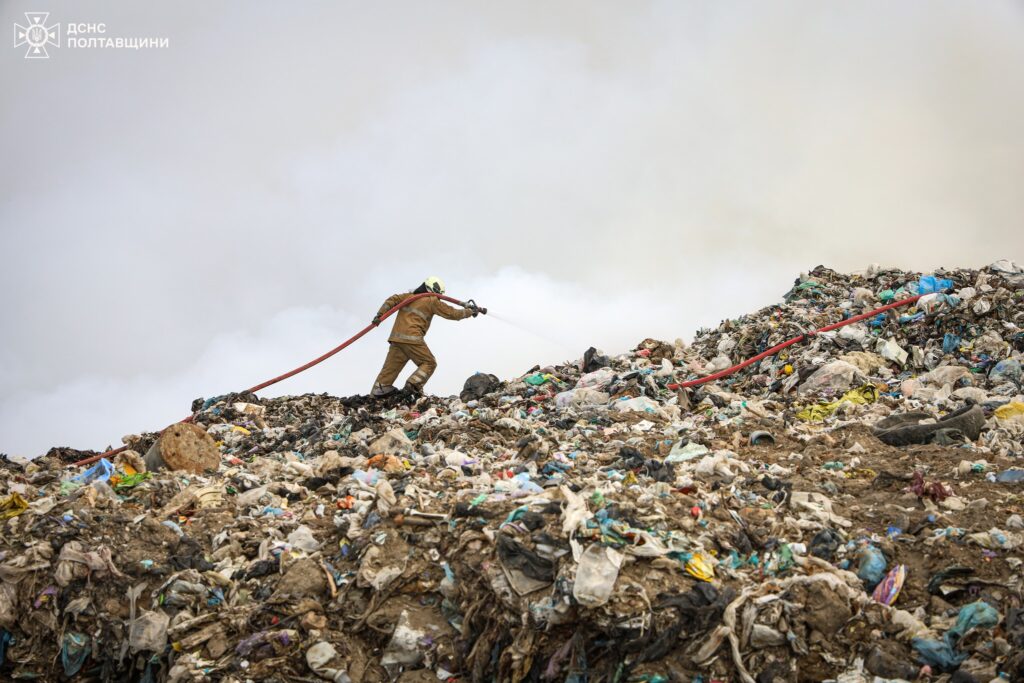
column 848, row 508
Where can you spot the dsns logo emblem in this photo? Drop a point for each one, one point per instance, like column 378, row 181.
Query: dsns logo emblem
column 37, row 35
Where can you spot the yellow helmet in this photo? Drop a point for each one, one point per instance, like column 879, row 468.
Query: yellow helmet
column 434, row 284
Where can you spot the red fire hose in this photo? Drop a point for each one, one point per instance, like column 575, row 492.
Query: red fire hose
column 301, row 368
column 795, row 340
column 691, row 383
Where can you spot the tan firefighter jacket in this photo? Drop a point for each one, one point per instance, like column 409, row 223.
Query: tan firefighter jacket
column 413, row 321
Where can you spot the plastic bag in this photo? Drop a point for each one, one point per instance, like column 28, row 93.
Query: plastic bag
column 1008, row 370
column 319, row 656
column 12, row 506
column 937, row 653
column 836, row 376
column 640, row 403
column 404, row 647
column 598, row 379
column 580, row 396
column 682, row 452
column 975, row 615
column 1014, row 410
column 1010, row 476
column 149, row 632
column 302, row 538
column 872, row 566
column 596, row 575
column 929, row 284
column 479, row 385
column 74, row 652
column 889, row 588
column 860, row 396
column 700, row 567
column 720, row 463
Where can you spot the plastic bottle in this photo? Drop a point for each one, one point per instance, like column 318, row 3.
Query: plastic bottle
column 595, row 577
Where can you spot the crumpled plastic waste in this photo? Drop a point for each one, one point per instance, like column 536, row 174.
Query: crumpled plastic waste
column 73, row 652
column 319, row 656
column 149, row 632
column 405, row 646
column 859, row 396
column 12, row 506
column 945, row 654
column 595, row 577
column 101, row 471
column 871, row 568
column 478, row 386
column 888, row 589
column 836, row 377
column 584, row 521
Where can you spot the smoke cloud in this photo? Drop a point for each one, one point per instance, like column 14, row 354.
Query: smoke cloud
column 188, row 221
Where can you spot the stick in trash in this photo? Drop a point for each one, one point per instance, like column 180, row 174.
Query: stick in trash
column 413, row 512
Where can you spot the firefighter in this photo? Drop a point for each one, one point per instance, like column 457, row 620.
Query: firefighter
column 406, row 340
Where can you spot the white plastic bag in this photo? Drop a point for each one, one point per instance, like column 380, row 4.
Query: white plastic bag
column 596, row 575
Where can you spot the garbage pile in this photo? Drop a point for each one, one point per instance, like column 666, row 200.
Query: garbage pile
column 848, row 510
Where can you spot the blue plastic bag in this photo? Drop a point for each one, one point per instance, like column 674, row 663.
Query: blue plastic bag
column 1006, row 370
column 937, row 653
column 74, row 652
column 942, row 654
column 975, row 615
column 872, row 565
column 950, row 343
column 929, row 284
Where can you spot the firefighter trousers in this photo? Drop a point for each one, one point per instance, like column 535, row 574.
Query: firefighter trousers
column 398, row 355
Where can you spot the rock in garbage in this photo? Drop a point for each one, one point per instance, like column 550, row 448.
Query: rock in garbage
column 825, row 609
column 304, row 579
column 885, row 665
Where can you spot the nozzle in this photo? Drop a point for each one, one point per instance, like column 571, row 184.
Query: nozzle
column 472, row 304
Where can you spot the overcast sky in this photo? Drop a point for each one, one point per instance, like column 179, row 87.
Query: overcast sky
column 188, row 221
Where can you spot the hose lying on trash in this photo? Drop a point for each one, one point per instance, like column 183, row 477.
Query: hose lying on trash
column 307, row 366
column 691, row 383
column 795, row 340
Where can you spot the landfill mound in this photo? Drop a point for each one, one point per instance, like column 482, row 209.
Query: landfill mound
column 848, row 510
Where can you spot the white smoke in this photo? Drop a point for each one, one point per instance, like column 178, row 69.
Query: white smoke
column 183, row 222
